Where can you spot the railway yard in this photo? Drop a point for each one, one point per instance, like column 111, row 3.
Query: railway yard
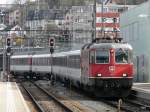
column 74, row 56
column 42, row 96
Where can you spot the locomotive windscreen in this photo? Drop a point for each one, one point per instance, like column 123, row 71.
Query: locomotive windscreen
column 121, row 55
column 102, row 56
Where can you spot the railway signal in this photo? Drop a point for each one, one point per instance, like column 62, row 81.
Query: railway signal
column 51, row 44
column 8, row 42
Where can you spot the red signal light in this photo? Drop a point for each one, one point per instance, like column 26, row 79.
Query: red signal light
column 51, row 42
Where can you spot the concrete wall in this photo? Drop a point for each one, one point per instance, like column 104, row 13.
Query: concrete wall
column 135, row 28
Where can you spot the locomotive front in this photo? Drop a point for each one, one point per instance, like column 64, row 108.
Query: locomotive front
column 111, row 68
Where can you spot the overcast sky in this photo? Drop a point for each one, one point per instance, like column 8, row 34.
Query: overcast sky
column 6, row 1
column 11, row 1
column 3, row 2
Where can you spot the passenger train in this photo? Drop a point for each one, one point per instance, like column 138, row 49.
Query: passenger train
column 105, row 69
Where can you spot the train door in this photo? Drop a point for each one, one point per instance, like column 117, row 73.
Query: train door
column 92, row 61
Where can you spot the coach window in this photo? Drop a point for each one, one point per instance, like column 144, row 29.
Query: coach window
column 92, row 57
column 65, row 61
column 22, row 61
column 45, row 64
column 102, row 56
column 41, row 61
column 78, row 61
column 35, row 61
column 38, row 61
column 46, row 61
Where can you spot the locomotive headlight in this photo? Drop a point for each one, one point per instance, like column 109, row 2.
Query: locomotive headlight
column 124, row 75
column 99, row 75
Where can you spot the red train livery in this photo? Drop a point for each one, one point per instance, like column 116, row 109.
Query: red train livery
column 109, row 67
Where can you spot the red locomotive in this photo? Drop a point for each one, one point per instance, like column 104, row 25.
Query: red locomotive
column 107, row 68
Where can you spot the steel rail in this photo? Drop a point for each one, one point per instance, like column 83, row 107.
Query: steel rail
column 54, row 98
column 33, row 99
column 138, row 104
column 129, row 105
column 138, row 101
column 115, row 104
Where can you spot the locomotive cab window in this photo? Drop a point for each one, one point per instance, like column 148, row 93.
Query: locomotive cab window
column 121, row 55
column 102, row 56
column 92, row 57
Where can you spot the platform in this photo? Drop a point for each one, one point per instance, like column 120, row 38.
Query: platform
column 143, row 87
column 142, row 90
column 11, row 99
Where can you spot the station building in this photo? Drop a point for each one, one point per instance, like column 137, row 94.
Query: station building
column 135, row 28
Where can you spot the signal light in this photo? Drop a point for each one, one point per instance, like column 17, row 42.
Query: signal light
column 8, row 49
column 8, row 42
column 51, row 42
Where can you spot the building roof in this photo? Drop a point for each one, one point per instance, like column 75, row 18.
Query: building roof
column 2, row 26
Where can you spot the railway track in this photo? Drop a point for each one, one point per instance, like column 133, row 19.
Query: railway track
column 79, row 101
column 44, row 101
column 139, row 101
column 72, row 105
column 130, row 104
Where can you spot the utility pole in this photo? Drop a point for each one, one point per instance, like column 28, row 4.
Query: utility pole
column 8, row 54
column 4, row 48
column 94, row 20
column 4, row 58
column 102, row 18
